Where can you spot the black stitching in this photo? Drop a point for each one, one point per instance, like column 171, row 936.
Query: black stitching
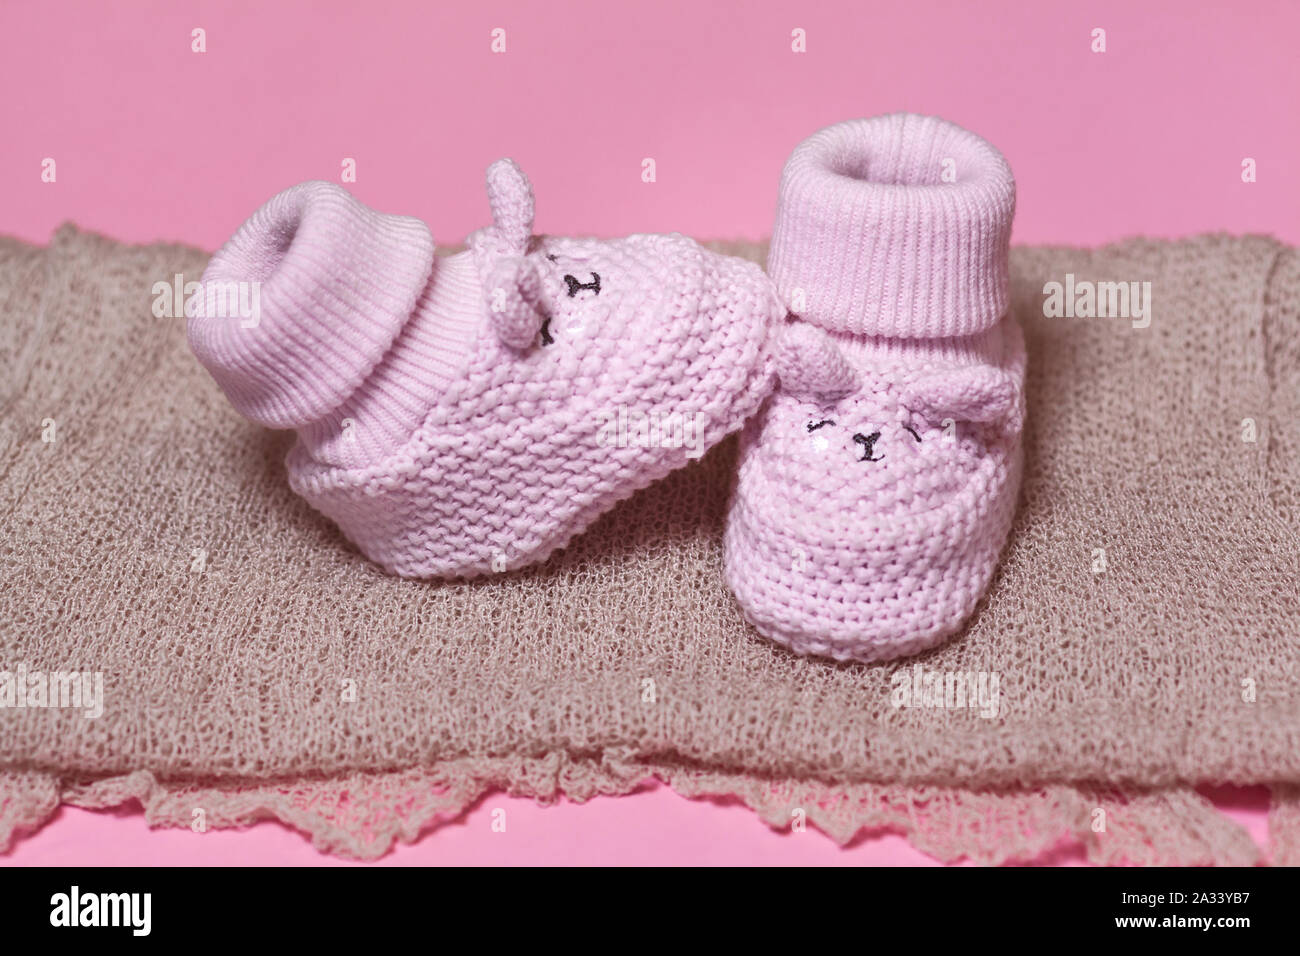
column 813, row 426
column 913, row 431
column 574, row 285
column 866, row 441
column 553, row 257
column 546, row 332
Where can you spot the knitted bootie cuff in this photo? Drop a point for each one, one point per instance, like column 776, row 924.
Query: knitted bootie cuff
column 897, row 225
column 332, row 284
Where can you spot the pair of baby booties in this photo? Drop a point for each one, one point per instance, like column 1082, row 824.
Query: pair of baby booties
column 467, row 414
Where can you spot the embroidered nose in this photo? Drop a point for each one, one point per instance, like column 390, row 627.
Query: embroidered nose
column 867, row 441
column 575, row 286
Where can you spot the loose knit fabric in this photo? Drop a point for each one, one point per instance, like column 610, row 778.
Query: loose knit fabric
column 256, row 665
column 876, row 488
column 469, row 415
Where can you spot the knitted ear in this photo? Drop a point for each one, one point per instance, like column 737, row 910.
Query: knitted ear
column 514, row 301
column 978, row 393
column 511, row 197
column 809, row 365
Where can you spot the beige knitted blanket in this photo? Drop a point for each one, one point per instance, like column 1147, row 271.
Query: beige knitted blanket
column 1142, row 635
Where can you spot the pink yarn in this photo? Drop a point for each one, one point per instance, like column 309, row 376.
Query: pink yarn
column 871, row 238
column 464, row 414
column 877, row 486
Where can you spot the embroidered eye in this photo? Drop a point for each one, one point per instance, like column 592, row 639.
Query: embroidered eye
column 913, row 431
column 575, row 286
column 867, row 442
column 547, row 338
column 813, row 426
column 553, row 257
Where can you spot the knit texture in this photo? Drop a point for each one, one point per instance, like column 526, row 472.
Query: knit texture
column 895, row 225
column 471, row 414
column 255, row 666
column 867, row 526
column 335, row 284
column 876, row 488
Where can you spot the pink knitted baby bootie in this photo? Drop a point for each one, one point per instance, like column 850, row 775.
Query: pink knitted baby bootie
column 877, row 486
column 471, row 413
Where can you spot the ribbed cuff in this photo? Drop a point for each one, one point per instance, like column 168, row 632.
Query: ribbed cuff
column 330, row 284
column 432, row 352
column 870, row 238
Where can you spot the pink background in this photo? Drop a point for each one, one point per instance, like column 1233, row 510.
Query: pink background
column 153, row 141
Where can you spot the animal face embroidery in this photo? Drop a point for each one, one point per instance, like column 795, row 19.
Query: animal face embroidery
column 868, row 442
column 864, row 442
column 527, row 292
column 573, row 286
